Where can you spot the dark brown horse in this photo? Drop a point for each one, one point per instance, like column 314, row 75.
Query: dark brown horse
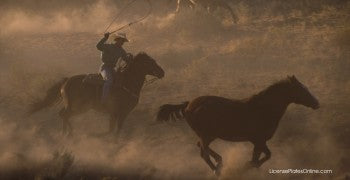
column 253, row 119
column 79, row 96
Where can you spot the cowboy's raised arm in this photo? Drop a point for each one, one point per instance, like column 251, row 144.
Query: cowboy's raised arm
column 101, row 44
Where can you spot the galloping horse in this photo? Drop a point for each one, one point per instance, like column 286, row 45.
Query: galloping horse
column 253, row 119
column 80, row 96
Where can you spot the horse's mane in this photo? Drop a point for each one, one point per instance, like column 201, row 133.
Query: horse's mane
column 273, row 89
column 141, row 55
column 137, row 57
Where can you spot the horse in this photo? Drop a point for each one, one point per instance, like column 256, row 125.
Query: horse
column 209, row 5
column 254, row 119
column 80, row 96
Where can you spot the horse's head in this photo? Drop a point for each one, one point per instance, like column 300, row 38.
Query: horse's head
column 301, row 95
column 144, row 63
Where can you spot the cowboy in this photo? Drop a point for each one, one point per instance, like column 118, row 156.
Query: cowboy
column 111, row 53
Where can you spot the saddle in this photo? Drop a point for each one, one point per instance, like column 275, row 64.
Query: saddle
column 93, row 79
column 97, row 79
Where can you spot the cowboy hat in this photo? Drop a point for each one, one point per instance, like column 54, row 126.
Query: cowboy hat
column 121, row 36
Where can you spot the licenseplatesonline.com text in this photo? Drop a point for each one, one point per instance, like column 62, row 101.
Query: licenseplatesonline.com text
column 300, row 171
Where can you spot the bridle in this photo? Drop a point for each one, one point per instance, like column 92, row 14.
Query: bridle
column 146, row 83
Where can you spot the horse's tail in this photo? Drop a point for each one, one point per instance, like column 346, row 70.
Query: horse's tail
column 169, row 111
column 52, row 96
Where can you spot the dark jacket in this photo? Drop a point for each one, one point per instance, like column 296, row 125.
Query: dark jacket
column 110, row 53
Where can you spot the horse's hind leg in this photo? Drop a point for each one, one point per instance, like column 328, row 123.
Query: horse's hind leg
column 215, row 155
column 205, row 152
column 65, row 115
column 217, row 158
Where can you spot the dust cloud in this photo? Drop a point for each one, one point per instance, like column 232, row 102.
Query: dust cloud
column 202, row 54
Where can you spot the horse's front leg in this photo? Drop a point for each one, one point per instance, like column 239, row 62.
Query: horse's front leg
column 120, row 121
column 258, row 149
column 267, row 156
column 116, row 122
column 65, row 114
column 110, row 131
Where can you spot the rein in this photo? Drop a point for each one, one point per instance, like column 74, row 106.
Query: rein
column 131, row 93
column 150, row 81
column 147, row 82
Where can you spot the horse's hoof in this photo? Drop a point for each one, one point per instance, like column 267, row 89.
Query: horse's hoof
column 217, row 172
